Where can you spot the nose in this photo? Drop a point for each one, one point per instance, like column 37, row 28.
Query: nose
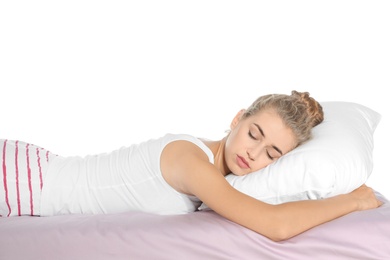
column 254, row 152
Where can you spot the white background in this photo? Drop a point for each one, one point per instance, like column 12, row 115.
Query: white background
column 80, row 77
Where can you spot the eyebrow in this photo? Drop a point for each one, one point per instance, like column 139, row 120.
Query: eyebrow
column 262, row 133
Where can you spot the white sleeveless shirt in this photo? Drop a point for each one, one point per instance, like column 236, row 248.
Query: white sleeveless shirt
column 123, row 180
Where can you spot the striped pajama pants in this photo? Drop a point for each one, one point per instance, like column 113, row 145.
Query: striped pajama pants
column 23, row 168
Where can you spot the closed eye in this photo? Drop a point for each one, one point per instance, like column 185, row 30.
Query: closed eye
column 269, row 156
column 251, row 135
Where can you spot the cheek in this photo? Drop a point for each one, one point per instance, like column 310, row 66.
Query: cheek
column 233, row 141
column 262, row 162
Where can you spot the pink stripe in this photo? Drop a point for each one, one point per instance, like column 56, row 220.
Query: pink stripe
column 47, row 156
column 40, row 168
column 29, row 180
column 5, row 178
column 17, row 176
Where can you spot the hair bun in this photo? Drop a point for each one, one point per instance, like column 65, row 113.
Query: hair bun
column 313, row 108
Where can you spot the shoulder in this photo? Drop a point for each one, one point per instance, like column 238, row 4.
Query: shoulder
column 182, row 150
column 187, row 144
column 181, row 161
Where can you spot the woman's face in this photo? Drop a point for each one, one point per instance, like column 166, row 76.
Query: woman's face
column 257, row 141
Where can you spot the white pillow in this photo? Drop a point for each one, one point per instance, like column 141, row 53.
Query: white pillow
column 336, row 160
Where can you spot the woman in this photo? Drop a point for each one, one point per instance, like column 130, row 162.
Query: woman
column 175, row 173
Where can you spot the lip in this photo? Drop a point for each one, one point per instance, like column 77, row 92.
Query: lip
column 242, row 162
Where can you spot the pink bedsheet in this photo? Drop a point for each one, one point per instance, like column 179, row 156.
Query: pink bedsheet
column 200, row 235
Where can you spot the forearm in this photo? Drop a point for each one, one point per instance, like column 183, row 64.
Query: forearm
column 277, row 222
column 296, row 217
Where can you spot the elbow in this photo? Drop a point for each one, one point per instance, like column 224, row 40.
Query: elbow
column 278, row 236
column 281, row 227
column 280, row 232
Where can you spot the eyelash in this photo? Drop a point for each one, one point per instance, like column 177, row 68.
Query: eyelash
column 268, row 155
column 251, row 136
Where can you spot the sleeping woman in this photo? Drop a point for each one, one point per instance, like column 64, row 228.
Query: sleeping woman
column 174, row 174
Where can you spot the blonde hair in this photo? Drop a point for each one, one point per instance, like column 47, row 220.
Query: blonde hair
column 299, row 112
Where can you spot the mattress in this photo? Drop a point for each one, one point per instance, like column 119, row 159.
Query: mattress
column 199, row 235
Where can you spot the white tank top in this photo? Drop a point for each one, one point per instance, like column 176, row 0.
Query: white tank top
column 124, row 180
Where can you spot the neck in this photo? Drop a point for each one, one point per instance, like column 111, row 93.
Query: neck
column 218, row 149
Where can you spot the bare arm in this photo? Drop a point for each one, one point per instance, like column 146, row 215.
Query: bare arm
column 283, row 221
column 191, row 173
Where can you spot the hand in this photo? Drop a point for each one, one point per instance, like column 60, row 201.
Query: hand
column 365, row 198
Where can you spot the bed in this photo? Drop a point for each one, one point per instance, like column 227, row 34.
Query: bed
column 315, row 170
column 199, row 235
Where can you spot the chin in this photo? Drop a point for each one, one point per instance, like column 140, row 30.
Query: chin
column 240, row 174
